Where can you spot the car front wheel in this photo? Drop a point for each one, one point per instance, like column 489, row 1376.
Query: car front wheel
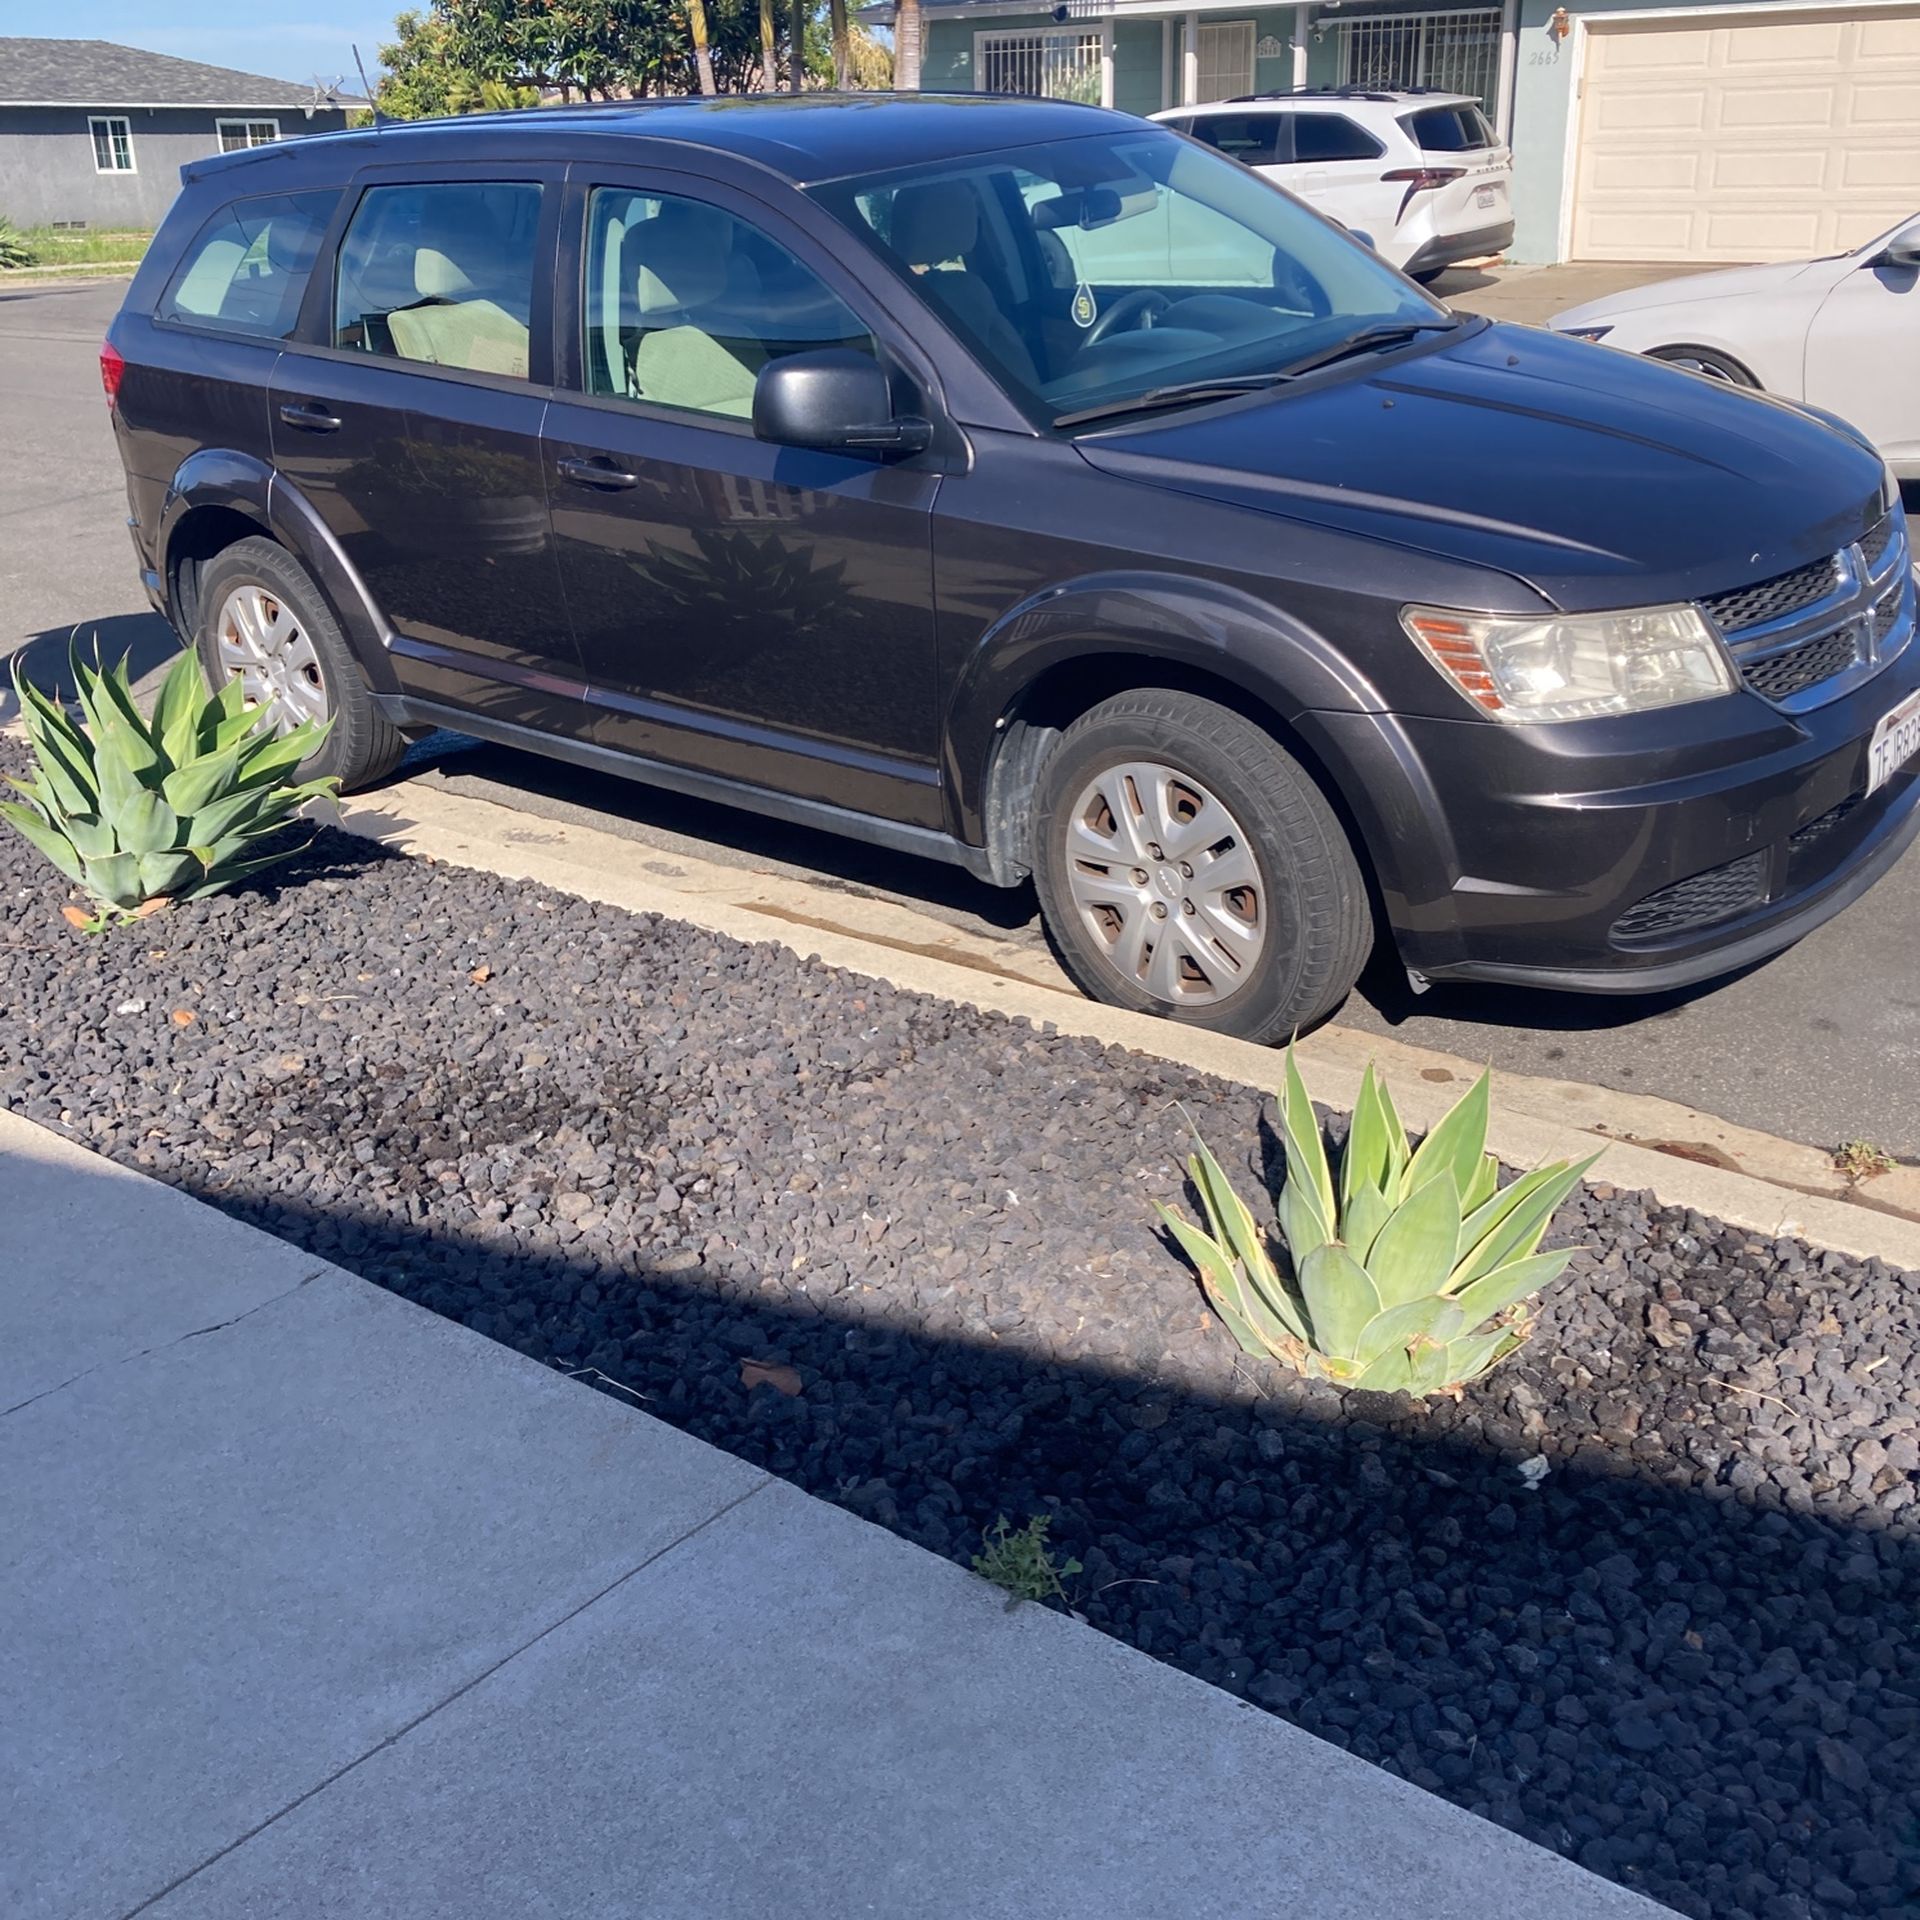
column 1188, row 866
column 264, row 623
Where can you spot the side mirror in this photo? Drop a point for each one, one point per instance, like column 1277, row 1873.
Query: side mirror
column 835, row 399
column 1902, row 252
column 1364, row 237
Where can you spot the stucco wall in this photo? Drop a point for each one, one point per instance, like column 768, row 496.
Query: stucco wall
column 47, row 171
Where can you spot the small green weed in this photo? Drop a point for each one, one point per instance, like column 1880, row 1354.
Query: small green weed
column 1018, row 1559
column 1860, row 1160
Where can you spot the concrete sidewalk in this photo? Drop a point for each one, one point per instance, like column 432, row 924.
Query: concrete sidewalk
column 315, row 1604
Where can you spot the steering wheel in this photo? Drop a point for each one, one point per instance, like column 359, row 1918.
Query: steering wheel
column 1140, row 308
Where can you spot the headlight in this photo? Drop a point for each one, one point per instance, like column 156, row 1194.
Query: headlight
column 1583, row 333
column 1532, row 670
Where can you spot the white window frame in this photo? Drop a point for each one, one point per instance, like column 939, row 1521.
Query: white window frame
column 246, row 129
column 104, row 123
column 986, row 39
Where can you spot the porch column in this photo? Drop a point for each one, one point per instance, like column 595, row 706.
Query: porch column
column 1509, row 60
column 1106, row 63
column 1302, row 30
column 1190, row 60
column 1167, row 98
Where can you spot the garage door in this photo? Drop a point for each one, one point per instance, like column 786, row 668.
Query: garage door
column 1747, row 137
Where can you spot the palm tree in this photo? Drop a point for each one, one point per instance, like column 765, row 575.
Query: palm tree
column 769, row 48
column 702, row 59
column 837, row 20
column 797, row 69
column 906, row 45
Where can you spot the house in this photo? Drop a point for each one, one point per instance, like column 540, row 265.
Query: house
column 1685, row 132
column 95, row 134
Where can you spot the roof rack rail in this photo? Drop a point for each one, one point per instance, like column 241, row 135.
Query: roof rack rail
column 1343, row 93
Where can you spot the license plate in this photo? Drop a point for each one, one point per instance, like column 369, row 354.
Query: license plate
column 1484, row 196
column 1896, row 740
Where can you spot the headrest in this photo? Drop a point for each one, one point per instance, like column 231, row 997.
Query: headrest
column 683, row 258
column 435, row 277
column 935, row 222
column 291, row 244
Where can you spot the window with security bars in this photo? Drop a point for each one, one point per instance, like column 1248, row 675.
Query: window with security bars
column 1048, row 66
column 1454, row 52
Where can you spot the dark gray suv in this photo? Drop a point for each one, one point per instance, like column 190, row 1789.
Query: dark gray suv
column 1038, row 490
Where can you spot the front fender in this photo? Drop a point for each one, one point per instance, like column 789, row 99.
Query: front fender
column 1179, row 619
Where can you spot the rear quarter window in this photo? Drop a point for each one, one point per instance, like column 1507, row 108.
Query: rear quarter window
column 1449, row 129
column 246, row 269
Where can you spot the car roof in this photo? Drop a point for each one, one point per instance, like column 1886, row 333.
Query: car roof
column 806, row 137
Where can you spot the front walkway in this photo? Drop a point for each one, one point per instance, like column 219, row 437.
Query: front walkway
column 318, row 1605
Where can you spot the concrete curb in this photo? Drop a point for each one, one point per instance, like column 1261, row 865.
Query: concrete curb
column 1533, row 1120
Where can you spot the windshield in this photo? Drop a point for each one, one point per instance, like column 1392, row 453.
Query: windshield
column 1088, row 272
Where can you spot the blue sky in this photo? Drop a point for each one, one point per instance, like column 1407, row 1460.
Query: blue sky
column 290, row 39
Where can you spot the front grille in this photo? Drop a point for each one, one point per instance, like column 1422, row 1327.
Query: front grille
column 1774, row 599
column 1719, row 894
column 1817, row 830
column 1877, row 543
column 1886, row 615
column 1779, row 676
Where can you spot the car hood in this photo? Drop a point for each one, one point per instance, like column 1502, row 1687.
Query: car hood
column 1728, row 283
column 1600, row 479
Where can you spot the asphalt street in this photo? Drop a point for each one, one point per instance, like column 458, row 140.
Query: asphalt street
column 1820, row 1044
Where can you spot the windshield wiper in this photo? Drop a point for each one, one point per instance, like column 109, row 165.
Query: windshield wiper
column 1184, row 392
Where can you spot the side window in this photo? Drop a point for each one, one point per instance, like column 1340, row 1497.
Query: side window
column 1254, row 139
column 1332, row 136
column 441, row 272
column 685, row 304
column 247, row 268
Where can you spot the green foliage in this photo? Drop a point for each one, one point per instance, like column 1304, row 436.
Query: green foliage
column 1862, row 1160
column 1019, row 1560
column 1407, row 1275
column 16, row 250
column 136, row 810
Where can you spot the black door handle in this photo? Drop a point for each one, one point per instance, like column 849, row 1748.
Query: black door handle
column 597, row 473
column 310, row 415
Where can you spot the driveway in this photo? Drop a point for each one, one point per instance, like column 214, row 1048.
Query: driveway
column 1820, row 1044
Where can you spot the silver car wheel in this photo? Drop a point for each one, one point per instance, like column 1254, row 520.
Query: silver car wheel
column 262, row 644
column 1164, row 878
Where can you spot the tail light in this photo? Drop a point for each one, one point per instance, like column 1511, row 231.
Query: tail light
column 1422, row 180
column 112, row 366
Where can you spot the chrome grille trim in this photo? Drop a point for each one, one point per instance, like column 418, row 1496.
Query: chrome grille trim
column 1824, row 647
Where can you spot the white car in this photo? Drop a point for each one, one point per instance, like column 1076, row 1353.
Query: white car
column 1841, row 333
column 1421, row 175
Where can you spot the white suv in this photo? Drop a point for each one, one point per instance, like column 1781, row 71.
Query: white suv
column 1421, row 174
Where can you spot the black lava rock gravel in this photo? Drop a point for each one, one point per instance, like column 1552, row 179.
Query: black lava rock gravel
column 1686, row 1656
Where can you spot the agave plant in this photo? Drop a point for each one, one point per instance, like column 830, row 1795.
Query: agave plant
column 138, row 811
column 1409, row 1275
column 16, row 250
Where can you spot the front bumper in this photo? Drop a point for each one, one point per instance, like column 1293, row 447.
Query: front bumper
column 1625, row 856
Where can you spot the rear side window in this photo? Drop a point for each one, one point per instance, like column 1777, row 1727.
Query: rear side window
column 1254, row 139
column 1332, row 136
column 247, row 267
column 441, row 272
column 1449, row 129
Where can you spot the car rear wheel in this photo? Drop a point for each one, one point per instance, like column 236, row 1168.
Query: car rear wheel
column 1706, row 362
column 264, row 623
column 1188, row 866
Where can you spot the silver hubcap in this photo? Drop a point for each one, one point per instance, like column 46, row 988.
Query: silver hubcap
column 1164, row 879
column 1707, row 369
column 263, row 645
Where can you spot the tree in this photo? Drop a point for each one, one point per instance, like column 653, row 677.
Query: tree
column 769, row 48
column 702, row 56
column 906, row 45
column 421, row 78
column 842, row 55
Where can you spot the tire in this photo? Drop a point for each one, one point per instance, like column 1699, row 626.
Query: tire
column 1259, row 961
column 262, row 617
column 1707, row 363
